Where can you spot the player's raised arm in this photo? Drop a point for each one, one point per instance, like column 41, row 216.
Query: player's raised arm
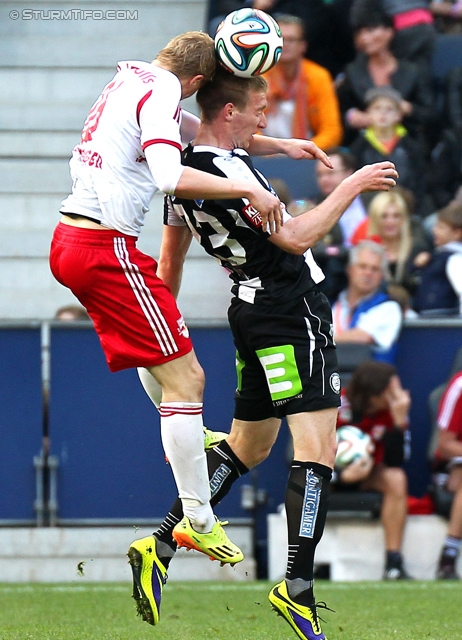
column 295, row 148
column 300, row 233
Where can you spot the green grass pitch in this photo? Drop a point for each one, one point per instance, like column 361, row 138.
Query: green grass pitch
column 228, row 611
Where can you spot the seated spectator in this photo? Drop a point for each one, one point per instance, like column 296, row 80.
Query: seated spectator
column 344, row 164
column 404, row 239
column 401, row 295
column 375, row 65
column 302, row 102
column 364, row 312
column 439, row 292
column 387, row 139
column 448, row 465
column 72, row 313
column 448, row 15
column 331, row 253
column 415, row 31
column 376, row 403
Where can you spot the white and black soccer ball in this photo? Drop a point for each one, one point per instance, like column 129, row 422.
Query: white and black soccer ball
column 248, row 42
column 353, row 444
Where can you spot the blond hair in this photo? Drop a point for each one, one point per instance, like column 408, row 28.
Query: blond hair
column 189, row 54
column 376, row 211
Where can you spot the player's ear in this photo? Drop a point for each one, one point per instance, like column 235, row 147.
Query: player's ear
column 229, row 110
column 196, row 82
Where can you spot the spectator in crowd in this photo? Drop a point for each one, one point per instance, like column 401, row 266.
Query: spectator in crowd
column 375, row 65
column 447, row 15
column 331, row 252
column 439, row 292
column 364, row 312
column 415, row 32
column 344, row 164
column 302, row 101
column 404, row 239
column 448, row 464
column 376, row 403
column 72, row 313
column 387, row 139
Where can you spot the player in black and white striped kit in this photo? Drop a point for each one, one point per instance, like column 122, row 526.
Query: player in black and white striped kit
column 281, row 324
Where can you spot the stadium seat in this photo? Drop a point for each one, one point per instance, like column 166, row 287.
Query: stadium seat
column 447, row 54
column 299, row 175
column 350, row 355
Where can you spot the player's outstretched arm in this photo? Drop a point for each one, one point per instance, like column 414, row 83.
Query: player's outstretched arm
column 295, row 148
column 300, row 233
column 194, row 184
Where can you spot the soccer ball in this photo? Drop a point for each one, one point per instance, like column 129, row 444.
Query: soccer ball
column 352, row 445
column 248, row 42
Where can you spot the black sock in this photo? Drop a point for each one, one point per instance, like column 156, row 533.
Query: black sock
column 224, row 469
column 307, row 498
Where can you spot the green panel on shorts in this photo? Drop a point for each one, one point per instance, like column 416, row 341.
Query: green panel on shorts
column 240, row 364
column 281, row 371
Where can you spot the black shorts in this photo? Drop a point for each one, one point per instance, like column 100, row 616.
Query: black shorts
column 286, row 358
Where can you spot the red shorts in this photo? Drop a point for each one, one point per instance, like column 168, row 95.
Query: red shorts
column 134, row 313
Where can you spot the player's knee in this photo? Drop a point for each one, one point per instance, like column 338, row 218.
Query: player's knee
column 249, row 452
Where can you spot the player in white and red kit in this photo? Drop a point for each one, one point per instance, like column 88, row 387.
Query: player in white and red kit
column 130, row 147
column 449, row 454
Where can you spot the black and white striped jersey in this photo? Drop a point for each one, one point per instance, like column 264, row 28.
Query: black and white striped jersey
column 231, row 231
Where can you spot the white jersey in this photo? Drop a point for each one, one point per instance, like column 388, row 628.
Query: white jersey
column 116, row 167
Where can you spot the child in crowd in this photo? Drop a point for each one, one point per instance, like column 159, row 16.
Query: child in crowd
column 387, row 139
column 440, row 289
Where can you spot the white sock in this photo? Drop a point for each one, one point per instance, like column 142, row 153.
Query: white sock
column 151, row 386
column 183, row 440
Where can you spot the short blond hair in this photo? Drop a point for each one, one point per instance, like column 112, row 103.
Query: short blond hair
column 189, row 54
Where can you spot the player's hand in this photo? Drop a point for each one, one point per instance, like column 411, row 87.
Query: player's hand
column 299, row 149
column 399, row 402
column 380, row 176
column 269, row 208
column 358, row 470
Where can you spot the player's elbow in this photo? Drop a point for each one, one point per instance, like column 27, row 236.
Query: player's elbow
column 295, row 243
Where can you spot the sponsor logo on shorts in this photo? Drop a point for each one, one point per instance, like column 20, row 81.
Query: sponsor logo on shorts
column 279, row 403
column 310, row 504
column 182, row 328
column 335, row 383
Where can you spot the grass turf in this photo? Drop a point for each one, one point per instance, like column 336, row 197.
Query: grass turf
column 228, row 611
